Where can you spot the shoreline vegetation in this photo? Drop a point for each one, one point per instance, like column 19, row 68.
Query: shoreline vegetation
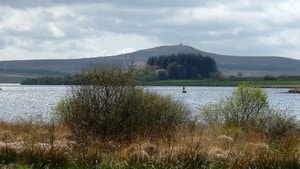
column 226, row 83
column 112, row 123
column 29, row 145
column 206, row 82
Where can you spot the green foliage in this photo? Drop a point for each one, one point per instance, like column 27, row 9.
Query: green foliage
column 162, row 74
column 212, row 82
column 44, row 159
column 184, row 66
column 113, row 107
column 8, row 156
column 269, row 77
column 36, row 158
column 151, row 75
column 42, row 72
column 245, row 103
column 248, row 108
column 59, row 80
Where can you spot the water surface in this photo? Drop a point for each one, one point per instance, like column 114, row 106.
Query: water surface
column 38, row 102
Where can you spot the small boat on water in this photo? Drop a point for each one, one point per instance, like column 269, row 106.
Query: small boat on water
column 183, row 90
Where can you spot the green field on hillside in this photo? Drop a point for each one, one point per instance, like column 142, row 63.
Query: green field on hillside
column 263, row 83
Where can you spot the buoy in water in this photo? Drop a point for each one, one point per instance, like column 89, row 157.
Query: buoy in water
column 183, row 90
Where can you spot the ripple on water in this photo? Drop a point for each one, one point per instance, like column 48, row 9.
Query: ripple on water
column 38, row 102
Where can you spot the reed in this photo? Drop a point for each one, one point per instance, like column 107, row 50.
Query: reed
column 193, row 146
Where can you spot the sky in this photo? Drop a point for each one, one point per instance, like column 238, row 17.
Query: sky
column 64, row 29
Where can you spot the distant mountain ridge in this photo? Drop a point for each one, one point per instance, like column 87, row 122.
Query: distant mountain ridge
column 248, row 65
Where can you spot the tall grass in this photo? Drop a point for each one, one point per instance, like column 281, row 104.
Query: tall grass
column 192, row 146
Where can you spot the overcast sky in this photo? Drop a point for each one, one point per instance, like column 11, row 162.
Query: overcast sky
column 46, row 29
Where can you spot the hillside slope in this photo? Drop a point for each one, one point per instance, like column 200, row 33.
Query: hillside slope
column 248, row 65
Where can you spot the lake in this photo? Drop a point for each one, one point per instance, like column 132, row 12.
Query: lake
column 37, row 102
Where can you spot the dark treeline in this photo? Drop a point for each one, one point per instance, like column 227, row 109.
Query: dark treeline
column 32, row 72
column 282, row 77
column 184, row 66
column 59, row 80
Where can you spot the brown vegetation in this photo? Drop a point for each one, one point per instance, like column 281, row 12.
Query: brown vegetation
column 192, row 145
column 295, row 90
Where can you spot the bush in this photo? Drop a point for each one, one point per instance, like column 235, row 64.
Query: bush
column 245, row 103
column 248, row 108
column 111, row 106
column 276, row 123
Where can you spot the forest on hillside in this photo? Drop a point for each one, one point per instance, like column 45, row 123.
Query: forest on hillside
column 182, row 66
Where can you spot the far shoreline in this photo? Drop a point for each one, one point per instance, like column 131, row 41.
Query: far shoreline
column 226, row 83
column 288, row 84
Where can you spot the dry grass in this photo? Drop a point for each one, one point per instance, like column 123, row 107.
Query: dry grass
column 294, row 90
column 43, row 145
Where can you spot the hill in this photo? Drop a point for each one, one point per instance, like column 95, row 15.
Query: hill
column 14, row 71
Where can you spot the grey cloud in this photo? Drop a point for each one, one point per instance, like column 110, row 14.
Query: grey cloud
column 241, row 27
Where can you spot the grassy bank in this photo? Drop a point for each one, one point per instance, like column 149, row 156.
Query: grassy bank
column 27, row 145
column 263, row 83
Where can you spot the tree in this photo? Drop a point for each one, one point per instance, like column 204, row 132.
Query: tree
column 246, row 103
column 248, row 109
column 162, row 74
column 185, row 66
column 173, row 70
column 239, row 75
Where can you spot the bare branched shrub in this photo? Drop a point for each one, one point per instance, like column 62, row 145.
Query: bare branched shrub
column 212, row 114
column 111, row 106
column 276, row 123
